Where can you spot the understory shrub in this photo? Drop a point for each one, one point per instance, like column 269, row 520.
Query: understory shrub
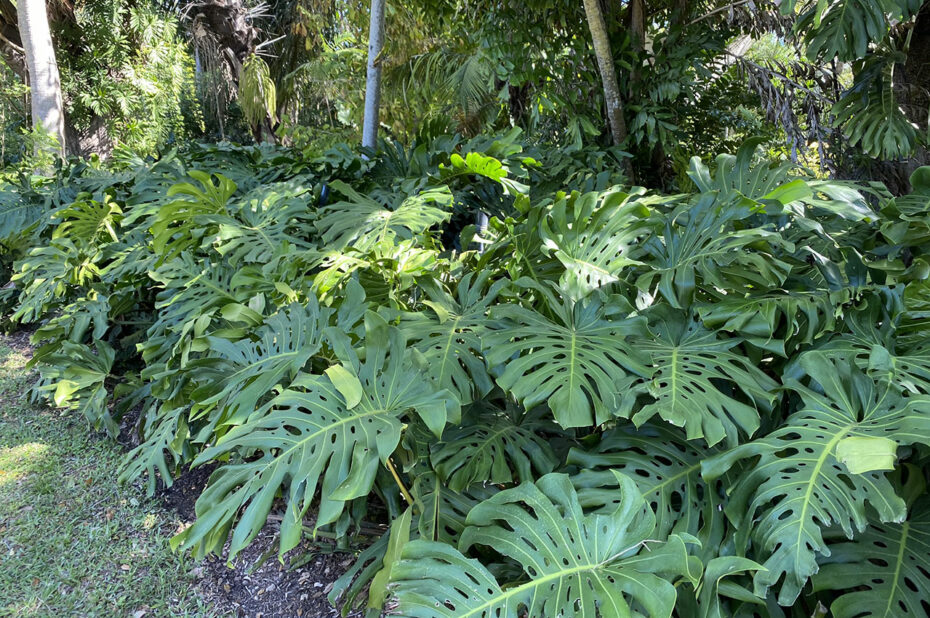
column 605, row 402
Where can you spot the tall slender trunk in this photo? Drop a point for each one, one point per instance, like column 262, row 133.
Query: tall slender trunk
column 44, row 82
column 373, row 81
column 605, row 62
column 637, row 37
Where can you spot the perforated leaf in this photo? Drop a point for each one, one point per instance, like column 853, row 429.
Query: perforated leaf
column 441, row 512
column 706, row 246
column 363, row 223
column 235, row 375
column 891, row 564
column 594, row 236
column 449, row 334
column 309, row 440
column 179, row 224
column 665, row 468
column 579, row 360
column 697, row 379
column 778, row 322
column 798, row 486
column 576, row 564
column 494, row 446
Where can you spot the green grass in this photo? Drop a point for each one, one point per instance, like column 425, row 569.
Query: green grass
column 72, row 541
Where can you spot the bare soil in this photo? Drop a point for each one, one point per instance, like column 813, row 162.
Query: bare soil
column 271, row 589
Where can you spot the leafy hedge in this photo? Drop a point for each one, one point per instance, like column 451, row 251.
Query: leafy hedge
column 608, row 402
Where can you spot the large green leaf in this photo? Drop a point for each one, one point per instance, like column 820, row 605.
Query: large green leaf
column 869, row 111
column 697, row 377
column 798, row 485
column 709, row 248
column 258, row 227
column 594, row 235
column 846, row 28
column 88, row 220
column 576, row 564
column 888, row 563
column 48, row 273
column 580, row 360
column 779, row 321
column 181, row 224
column 666, row 469
column 75, row 377
column 449, row 334
column 441, row 512
column 363, row 223
column 743, row 175
column 494, row 446
column 237, row 374
column 326, row 432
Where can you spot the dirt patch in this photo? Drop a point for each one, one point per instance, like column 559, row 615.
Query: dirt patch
column 183, row 493
column 272, row 590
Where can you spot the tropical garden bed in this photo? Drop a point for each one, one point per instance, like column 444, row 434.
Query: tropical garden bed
column 718, row 397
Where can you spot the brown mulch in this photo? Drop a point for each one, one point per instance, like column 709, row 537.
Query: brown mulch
column 271, row 590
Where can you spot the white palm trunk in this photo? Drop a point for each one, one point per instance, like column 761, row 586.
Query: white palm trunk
column 373, row 81
column 44, row 82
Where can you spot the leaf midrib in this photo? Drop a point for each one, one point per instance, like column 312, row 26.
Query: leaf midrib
column 905, row 530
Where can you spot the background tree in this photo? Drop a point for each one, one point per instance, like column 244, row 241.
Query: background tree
column 45, row 84
column 605, row 61
column 373, row 78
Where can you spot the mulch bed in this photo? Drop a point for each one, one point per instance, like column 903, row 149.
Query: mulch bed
column 271, row 590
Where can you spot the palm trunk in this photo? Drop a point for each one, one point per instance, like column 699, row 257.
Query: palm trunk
column 44, row 82
column 373, row 81
column 605, row 61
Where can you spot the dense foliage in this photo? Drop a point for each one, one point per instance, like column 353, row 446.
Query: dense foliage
column 608, row 400
column 831, row 84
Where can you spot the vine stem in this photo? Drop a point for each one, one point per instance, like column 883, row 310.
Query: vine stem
column 400, row 483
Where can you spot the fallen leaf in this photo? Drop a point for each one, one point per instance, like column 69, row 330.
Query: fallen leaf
column 124, row 567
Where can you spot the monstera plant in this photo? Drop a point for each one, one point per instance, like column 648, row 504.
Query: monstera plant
column 608, row 403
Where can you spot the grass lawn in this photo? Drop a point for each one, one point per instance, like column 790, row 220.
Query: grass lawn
column 73, row 542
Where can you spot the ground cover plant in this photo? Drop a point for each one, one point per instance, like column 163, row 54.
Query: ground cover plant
column 608, row 401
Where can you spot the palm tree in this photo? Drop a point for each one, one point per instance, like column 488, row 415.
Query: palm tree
column 44, row 82
column 373, row 81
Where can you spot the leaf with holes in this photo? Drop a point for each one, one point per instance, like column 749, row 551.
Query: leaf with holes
column 238, row 374
column 494, row 446
column 666, row 469
column 889, row 564
column 449, row 334
column 594, row 236
column 697, row 381
column 580, row 360
column 363, row 223
column 311, row 439
column 575, row 564
column 798, row 485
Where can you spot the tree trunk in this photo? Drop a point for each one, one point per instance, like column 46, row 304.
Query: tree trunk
column 45, row 85
column 373, row 81
column 637, row 37
column 605, row 61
